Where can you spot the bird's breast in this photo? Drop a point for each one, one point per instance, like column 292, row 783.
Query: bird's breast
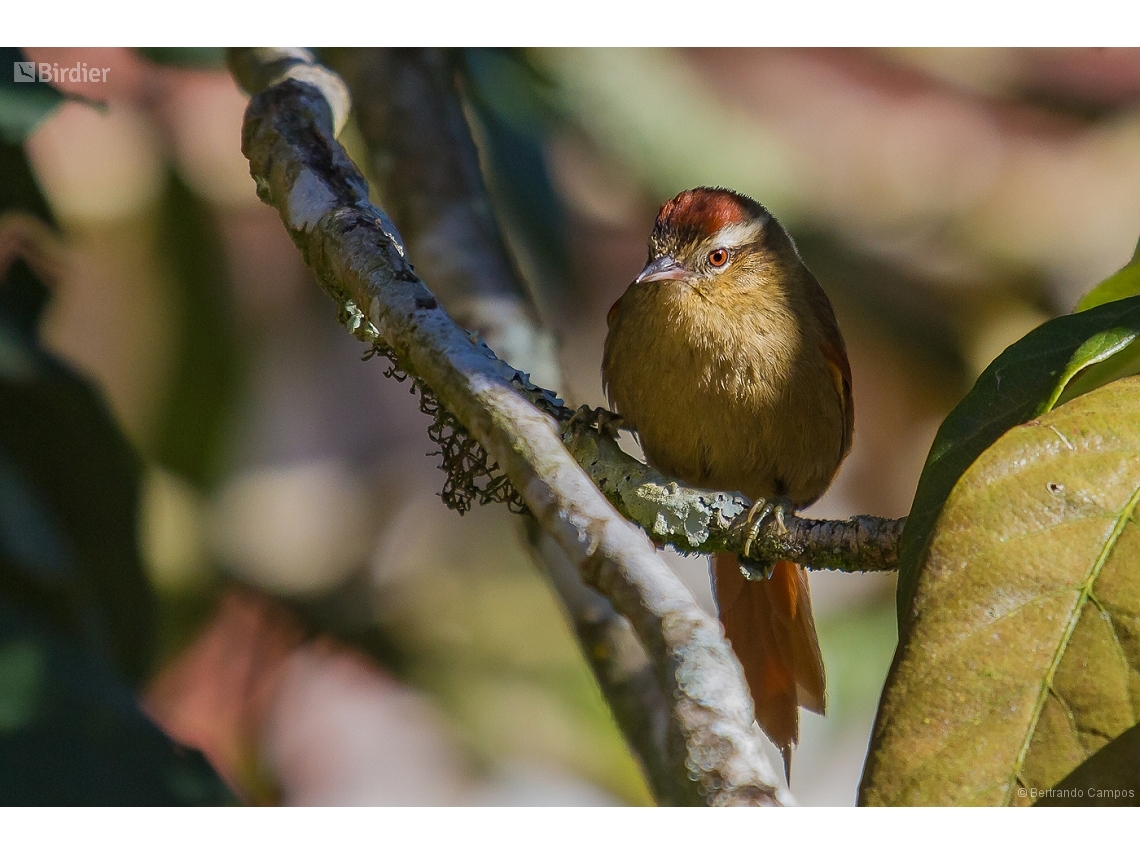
column 723, row 396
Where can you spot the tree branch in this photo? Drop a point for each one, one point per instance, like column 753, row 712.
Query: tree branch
column 695, row 520
column 426, row 165
column 359, row 258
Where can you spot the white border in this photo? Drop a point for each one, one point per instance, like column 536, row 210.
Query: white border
column 982, row 23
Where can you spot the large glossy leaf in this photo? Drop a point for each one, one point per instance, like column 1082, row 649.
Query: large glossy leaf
column 1030, row 378
column 1023, row 656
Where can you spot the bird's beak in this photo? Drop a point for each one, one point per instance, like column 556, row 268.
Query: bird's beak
column 661, row 269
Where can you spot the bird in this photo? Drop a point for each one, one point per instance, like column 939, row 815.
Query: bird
column 725, row 358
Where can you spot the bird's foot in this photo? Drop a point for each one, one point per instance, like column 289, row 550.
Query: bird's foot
column 603, row 420
column 764, row 511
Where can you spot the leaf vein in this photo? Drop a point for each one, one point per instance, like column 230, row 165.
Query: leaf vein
column 1069, row 716
column 1067, row 634
column 1107, row 615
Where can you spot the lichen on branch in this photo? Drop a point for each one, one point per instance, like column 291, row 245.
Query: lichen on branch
column 696, row 520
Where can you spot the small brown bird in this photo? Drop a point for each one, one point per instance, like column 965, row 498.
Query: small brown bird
column 724, row 355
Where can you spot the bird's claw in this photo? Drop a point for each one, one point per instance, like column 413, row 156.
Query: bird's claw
column 603, row 420
column 754, row 520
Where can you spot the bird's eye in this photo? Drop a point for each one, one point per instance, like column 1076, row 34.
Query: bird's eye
column 718, row 257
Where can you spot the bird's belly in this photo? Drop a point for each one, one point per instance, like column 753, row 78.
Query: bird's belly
column 737, row 426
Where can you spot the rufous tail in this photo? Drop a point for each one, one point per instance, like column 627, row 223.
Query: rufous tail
column 772, row 631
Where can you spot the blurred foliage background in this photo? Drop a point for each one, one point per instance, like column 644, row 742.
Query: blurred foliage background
column 311, row 618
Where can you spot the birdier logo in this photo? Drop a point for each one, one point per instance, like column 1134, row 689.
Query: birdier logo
column 52, row 72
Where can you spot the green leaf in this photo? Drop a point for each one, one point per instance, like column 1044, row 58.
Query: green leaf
column 68, row 509
column 1023, row 656
column 1119, row 286
column 1033, row 375
column 1123, row 283
column 71, row 732
column 76, row 609
column 68, row 478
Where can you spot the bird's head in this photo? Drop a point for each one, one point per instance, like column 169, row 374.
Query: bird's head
column 709, row 234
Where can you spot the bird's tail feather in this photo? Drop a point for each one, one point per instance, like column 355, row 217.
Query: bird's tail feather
column 772, row 631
